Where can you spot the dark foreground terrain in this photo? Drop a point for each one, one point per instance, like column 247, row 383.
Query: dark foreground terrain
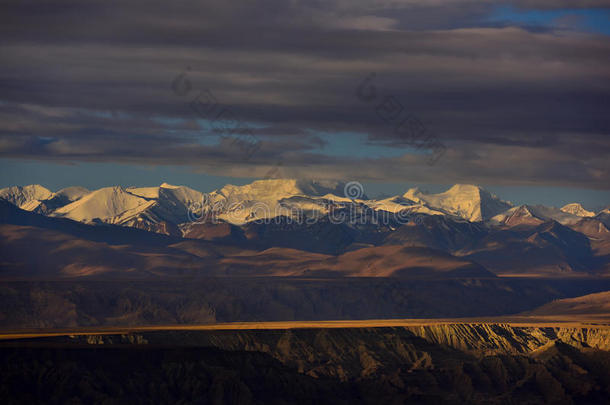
column 431, row 363
column 167, row 301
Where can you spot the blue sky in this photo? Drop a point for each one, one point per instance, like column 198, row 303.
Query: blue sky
column 594, row 20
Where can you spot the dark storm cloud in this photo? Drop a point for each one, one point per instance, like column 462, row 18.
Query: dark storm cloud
column 91, row 81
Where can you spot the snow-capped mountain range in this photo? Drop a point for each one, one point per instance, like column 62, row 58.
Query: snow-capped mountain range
column 230, row 228
column 172, row 209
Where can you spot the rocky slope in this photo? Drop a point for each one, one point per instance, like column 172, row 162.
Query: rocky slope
column 466, row 363
column 597, row 304
column 380, row 346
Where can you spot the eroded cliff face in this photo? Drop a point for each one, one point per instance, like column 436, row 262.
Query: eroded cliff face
column 452, row 363
column 486, row 338
column 347, row 353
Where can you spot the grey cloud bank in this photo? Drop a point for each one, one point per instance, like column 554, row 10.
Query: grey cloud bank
column 513, row 105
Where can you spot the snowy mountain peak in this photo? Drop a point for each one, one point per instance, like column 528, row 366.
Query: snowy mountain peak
column 72, row 193
column 275, row 189
column 412, row 192
column 261, row 189
column 320, row 188
column 103, row 204
column 519, row 211
column 520, row 215
column 464, row 200
column 461, row 190
column 534, row 214
column 464, row 188
column 167, row 185
column 577, row 209
column 169, row 208
column 27, row 197
column 275, row 197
